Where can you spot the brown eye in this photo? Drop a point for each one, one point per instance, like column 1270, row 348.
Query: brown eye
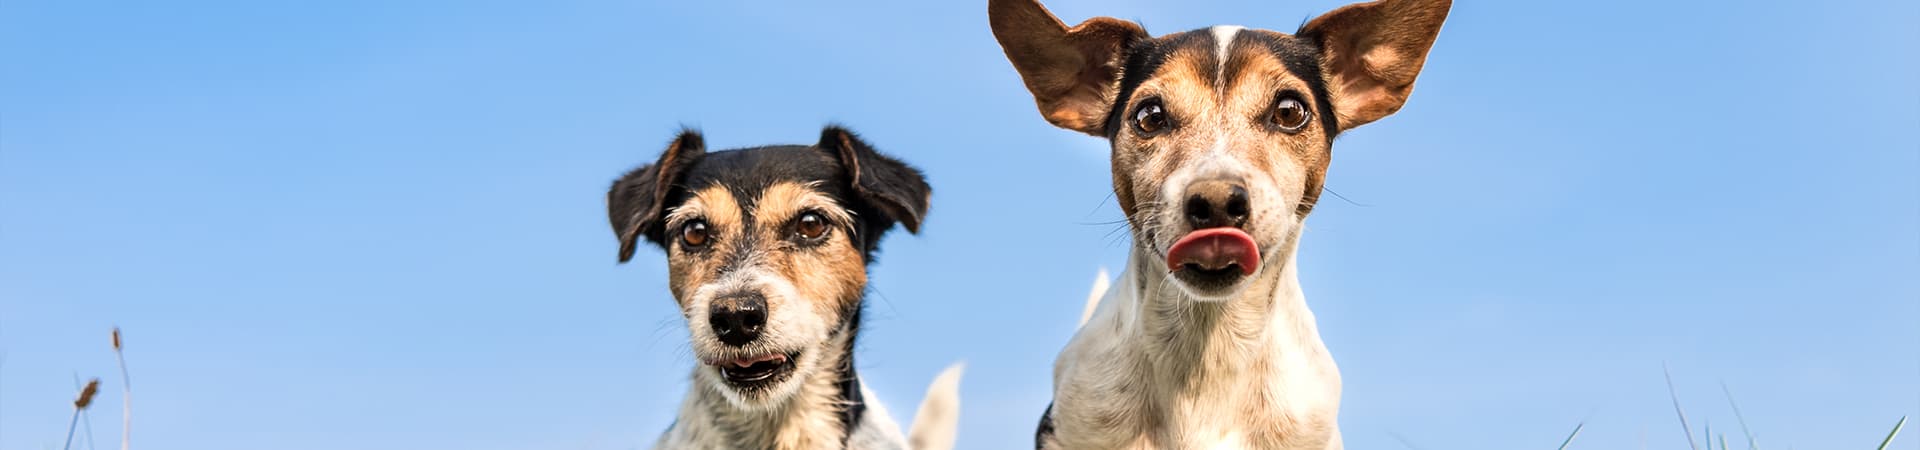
column 810, row 226
column 1150, row 119
column 1289, row 114
column 695, row 234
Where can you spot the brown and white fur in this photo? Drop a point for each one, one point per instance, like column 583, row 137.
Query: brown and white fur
column 767, row 252
column 1220, row 139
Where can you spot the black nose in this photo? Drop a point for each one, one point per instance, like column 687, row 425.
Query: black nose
column 736, row 318
column 1217, row 203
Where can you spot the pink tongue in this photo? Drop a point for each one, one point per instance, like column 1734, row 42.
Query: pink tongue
column 1215, row 249
column 743, row 362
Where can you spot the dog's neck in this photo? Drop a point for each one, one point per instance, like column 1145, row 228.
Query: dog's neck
column 821, row 414
column 1258, row 333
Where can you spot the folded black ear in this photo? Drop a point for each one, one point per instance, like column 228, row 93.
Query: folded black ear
column 888, row 185
column 635, row 203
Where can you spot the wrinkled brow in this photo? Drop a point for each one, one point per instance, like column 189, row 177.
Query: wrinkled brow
column 714, row 204
column 787, row 199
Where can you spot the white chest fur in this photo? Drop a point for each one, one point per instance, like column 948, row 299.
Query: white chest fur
column 1153, row 370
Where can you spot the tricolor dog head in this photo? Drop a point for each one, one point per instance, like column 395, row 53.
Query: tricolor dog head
column 1221, row 136
column 767, row 249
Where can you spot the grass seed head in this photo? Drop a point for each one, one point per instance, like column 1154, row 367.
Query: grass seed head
column 86, row 394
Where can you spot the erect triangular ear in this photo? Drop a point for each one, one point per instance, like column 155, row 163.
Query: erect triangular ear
column 886, row 184
column 635, row 203
column 1372, row 53
column 1073, row 73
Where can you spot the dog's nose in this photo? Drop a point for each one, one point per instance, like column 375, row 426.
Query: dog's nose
column 736, row 318
column 1217, row 203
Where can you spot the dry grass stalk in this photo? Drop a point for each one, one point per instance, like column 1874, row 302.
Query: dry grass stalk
column 126, row 394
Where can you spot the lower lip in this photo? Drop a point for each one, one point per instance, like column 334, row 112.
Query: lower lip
column 764, row 369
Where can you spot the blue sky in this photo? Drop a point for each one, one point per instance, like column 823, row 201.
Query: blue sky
column 379, row 225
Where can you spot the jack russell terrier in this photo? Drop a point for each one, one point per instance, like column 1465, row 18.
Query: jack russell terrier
column 767, row 253
column 1220, row 142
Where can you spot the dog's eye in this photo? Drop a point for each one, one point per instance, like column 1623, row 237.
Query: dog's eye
column 1150, row 118
column 695, row 234
column 810, row 226
column 1289, row 114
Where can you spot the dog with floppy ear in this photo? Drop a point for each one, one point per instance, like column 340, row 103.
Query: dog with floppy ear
column 767, row 252
column 1221, row 139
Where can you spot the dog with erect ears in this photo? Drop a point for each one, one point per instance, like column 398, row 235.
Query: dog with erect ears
column 1220, row 141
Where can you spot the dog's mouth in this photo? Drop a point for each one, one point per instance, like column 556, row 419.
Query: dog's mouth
column 1213, row 259
column 754, row 372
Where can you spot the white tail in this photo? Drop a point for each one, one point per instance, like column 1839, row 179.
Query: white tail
column 1093, row 298
column 938, row 420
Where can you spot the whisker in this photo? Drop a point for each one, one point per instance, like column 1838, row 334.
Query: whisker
column 1344, row 198
column 1103, row 202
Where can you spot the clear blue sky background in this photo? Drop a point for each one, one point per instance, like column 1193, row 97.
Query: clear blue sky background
column 379, row 225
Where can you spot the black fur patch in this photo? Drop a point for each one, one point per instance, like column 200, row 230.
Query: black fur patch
column 748, row 173
column 854, row 403
column 1046, row 427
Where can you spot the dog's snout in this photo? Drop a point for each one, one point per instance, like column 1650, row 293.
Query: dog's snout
column 737, row 318
column 1217, row 203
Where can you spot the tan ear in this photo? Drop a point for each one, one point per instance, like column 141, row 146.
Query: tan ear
column 1372, row 53
column 1073, row 73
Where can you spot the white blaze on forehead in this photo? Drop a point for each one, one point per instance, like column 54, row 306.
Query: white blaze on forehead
column 1222, row 39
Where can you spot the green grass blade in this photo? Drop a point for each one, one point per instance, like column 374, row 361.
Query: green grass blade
column 1676, row 407
column 1570, row 436
column 1752, row 444
column 1896, row 432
